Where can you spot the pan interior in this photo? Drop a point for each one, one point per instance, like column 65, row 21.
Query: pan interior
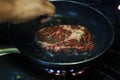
column 76, row 13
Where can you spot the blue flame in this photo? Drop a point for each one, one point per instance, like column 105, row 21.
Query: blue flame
column 58, row 71
column 72, row 70
column 51, row 70
column 46, row 69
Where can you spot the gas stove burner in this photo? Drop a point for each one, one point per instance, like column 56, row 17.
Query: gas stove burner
column 72, row 72
column 78, row 72
column 56, row 72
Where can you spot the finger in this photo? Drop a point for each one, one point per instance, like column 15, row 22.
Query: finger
column 48, row 8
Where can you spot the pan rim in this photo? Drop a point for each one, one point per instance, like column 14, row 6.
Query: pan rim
column 90, row 59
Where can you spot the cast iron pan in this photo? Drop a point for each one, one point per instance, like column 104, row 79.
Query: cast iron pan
column 67, row 12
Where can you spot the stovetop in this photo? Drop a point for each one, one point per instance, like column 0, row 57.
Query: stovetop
column 16, row 67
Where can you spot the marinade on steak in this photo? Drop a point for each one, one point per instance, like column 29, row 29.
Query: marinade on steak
column 65, row 38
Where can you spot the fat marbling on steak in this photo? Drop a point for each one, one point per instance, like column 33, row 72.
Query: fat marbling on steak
column 65, row 38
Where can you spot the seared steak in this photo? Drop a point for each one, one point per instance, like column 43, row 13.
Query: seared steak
column 65, row 38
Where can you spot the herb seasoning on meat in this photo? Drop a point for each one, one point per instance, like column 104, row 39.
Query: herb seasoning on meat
column 65, row 38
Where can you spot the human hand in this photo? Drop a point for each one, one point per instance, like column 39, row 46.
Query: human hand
column 25, row 10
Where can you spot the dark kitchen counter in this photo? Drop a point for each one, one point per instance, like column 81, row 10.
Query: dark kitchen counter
column 14, row 67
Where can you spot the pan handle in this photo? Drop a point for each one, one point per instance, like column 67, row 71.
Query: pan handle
column 6, row 51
